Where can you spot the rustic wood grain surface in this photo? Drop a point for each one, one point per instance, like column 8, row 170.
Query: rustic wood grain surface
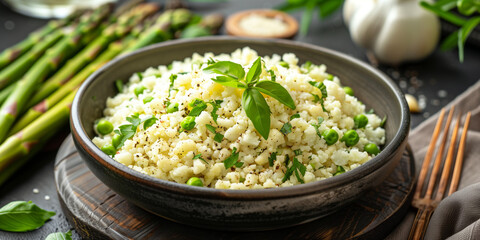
column 97, row 212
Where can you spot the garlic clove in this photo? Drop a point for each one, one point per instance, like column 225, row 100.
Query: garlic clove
column 412, row 103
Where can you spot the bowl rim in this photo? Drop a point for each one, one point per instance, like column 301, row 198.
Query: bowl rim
column 81, row 138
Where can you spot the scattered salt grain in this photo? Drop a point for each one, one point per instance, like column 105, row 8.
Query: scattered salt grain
column 35, row 190
column 47, row 197
column 442, row 93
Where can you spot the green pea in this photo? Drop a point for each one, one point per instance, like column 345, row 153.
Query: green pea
column 104, row 127
column 330, row 136
column 283, row 64
column 350, row 138
column 108, row 149
column 330, row 77
column 147, row 99
column 172, row 107
column 371, row 149
column 139, row 90
column 188, row 123
column 116, row 140
column 348, row 90
column 194, row 181
column 360, row 121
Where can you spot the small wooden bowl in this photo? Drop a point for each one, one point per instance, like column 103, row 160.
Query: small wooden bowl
column 233, row 23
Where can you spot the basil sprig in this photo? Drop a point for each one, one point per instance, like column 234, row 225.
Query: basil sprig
column 21, row 216
column 127, row 131
column 232, row 160
column 233, row 75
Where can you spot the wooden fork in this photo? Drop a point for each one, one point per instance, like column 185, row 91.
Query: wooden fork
column 427, row 203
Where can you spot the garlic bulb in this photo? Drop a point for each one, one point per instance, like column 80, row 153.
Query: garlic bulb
column 394, row 30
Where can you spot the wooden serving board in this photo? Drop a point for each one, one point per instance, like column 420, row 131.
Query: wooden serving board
column 97, row 212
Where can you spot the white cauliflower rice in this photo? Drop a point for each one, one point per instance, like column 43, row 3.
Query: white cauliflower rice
column 165, row 151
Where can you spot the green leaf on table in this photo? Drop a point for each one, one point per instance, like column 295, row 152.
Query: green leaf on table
column 277, row 91
column 226, row 68
column 468, row 7
column 21, row 216
column 255, row 71
column 450, row 41
column 257, row 110
column 59, row 236
column 448, row 16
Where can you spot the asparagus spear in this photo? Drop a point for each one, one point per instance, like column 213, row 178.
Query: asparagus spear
column 9, row 55
column 157, row 32
column 47, row 64
column 115, row 31
column 16, row 70
column 16, row 150
column 4, row 93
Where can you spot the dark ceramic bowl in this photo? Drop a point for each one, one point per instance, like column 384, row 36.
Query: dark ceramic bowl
column 241, row 209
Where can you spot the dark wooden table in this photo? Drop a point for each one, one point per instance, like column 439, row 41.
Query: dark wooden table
column 437, row 79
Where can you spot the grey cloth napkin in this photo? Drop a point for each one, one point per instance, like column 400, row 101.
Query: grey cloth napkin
column 457, row 216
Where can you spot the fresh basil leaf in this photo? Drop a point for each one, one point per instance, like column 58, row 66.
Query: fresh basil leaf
column 229, row 82
column 255, row 71
column 232, row 159
column 286, row 128
column 134, row 119
column 172, row 78
column 59, row 236
column 21, row 216
column 272, row 158
column 257, row 111
column 148, row 122
column 226, row 68
column 276, row 91
column 272, row 75
column 296, row 115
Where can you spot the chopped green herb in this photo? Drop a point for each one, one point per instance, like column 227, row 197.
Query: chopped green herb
column 211, row 61
column 183, row 73
column 272, row 75
column 298, row 169
column 218, row 137
column 198, row 106
column 140, row 75
column 329, row 76
column 216, row 105
column 199, row 156
column 287, row 160
column 286, row 128
column 148, row 122
column 158, row 75
column 384, row 120
column 232, row 160
column 272, row 158
column 147, row 99
column 307, row 66
column 172, row 78
column 340, row 170
column 296, row 115
column 317, row 125
column 297, row 152
column 127, row 131
column 323, row 90
column 119, row 85
column 371, row 111
column 242, row 179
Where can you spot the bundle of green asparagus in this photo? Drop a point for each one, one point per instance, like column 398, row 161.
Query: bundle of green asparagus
column 40, row 75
